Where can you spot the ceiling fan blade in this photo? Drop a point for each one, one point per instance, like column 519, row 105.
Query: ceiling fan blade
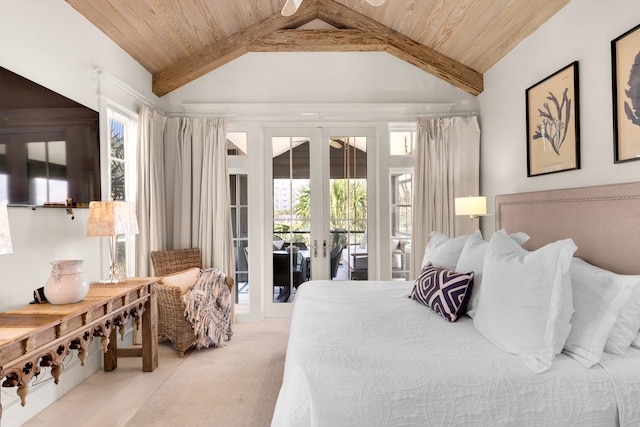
column 290, row 7
column 376, row 2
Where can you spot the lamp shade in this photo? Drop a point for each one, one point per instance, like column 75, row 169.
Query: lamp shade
column 112, row 218
column 471, row 206
column 5, row 234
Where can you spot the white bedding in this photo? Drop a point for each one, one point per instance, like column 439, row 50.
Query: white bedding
column 363, row 354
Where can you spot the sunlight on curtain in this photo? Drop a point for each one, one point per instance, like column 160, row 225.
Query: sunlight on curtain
column 151, row 193
column 447, row 165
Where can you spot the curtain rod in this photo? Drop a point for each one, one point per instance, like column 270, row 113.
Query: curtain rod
column 452, row 114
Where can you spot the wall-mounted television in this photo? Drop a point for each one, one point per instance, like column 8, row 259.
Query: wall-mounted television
column 49, row 146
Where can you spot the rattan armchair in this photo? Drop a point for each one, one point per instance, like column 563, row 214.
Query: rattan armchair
column 172, row 323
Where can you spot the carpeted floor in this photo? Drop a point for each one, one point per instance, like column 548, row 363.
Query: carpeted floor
column 235, row 385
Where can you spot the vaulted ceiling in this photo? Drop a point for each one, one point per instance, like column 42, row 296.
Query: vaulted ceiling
column 178, row 41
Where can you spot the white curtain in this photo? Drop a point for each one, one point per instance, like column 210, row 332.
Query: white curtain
column 446, row 165
column 151, row 193
column 197, row 188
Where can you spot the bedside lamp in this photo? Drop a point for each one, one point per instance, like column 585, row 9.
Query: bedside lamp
column 472, row 206
column 111, row 219
column 5, row 233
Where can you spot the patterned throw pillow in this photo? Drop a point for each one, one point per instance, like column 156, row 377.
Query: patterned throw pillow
column 445, row 291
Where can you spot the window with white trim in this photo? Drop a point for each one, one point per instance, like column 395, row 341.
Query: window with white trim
column 402, row 137
column 122, row 134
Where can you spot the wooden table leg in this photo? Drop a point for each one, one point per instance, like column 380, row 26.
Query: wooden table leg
column 111, row 355
column 150, row 332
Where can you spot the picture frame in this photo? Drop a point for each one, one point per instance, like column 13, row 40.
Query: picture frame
column 625, row 77
column 553, row 123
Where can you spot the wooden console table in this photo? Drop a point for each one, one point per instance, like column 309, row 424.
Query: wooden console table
column 41, row 335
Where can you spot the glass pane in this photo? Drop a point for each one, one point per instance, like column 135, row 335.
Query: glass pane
column 401, row 217
column 243, row 224
column 233, row 191
column 291, row 215
column 234, row 221
column 237, row 143
column 242, row 184
column 117, row 180
column 348, row 206
column 240, row 224
column 401, row 143
column 243, row 255
column 117, row 139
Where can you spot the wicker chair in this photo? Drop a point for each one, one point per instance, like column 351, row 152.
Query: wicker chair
column 171, row 319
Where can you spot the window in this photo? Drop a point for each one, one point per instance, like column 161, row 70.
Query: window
column 402, row 143
column 237, row 143
column 401, row 211
column 240, row 225
column 402, row 140
column 122, row 129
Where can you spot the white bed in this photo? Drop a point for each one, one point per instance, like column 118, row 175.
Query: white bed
column 362, row 353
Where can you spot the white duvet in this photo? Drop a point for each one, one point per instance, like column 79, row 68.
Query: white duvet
column 363, row 354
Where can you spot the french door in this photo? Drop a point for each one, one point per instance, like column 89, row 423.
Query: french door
column 319, row 224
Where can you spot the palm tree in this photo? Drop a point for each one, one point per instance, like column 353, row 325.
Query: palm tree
column 348, row 207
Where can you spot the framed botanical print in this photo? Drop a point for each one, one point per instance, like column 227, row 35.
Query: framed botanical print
column 625, row 61
column 553, row 139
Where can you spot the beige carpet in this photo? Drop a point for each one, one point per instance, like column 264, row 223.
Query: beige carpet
column 235, row 385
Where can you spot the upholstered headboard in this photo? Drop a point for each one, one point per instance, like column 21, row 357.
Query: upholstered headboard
column 603, row 221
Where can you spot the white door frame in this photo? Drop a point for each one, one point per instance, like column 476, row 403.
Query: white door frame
column 319, row 172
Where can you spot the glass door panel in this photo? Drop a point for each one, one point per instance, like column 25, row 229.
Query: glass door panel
column 319, row 205
column 291, row 191
column 348, row 212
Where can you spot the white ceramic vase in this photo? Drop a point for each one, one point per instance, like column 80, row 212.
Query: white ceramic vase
column 67, row 282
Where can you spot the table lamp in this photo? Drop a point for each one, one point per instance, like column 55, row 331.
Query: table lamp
column 5, row 233
column 472, row 206
column 112, row 219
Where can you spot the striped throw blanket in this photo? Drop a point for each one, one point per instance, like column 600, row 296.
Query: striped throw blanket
column 208, row 307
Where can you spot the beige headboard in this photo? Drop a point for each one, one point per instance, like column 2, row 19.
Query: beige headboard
column 603, row 221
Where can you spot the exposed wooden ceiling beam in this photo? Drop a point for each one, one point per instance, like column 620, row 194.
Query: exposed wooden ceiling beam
column 357, row 33
column 318, row 41
column 403, row 47
column 218, row 54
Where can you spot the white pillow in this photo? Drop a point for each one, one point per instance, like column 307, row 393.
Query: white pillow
column 443, row 251
column 627, row 325
column 636, row 342
column 182, row 279
column 525, row 304
column 598, row 298
column 472, row 259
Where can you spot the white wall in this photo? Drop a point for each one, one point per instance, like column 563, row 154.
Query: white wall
column 582, row 31
column 320, row 77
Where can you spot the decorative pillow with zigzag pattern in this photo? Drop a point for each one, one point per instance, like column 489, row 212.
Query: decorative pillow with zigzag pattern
column 445, row 291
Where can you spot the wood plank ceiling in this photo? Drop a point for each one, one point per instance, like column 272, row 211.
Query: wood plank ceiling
column 178, row 41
